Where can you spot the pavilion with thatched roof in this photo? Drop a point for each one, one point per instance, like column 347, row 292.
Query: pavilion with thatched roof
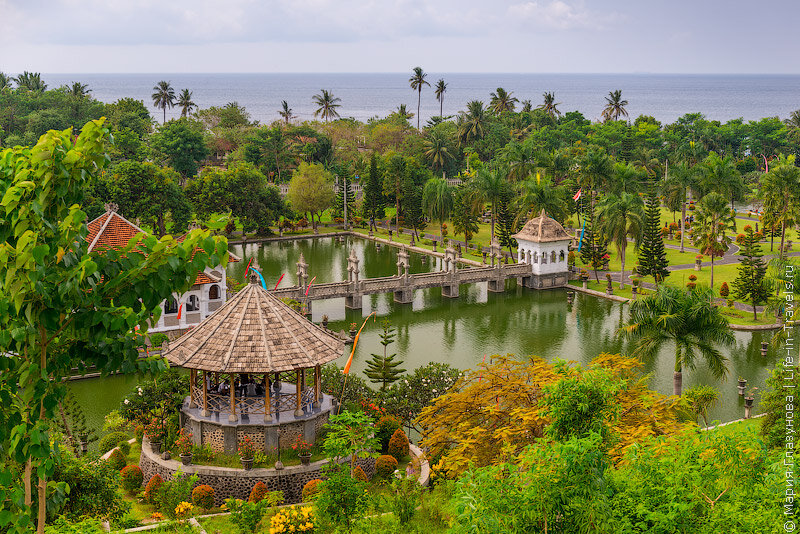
column 249, row 364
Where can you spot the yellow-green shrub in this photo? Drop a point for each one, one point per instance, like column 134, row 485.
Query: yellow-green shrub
column 385, row 465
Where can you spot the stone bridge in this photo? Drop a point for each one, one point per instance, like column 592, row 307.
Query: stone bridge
column 403, row 284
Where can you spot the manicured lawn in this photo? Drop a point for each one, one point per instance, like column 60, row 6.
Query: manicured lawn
column 740, row 427
column 602, row 284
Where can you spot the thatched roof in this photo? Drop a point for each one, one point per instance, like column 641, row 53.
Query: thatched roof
column 542, row 229
column 254, row 333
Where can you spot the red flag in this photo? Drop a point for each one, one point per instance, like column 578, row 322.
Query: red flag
column 355, row 342
column 577, row 195
column 279, row 280
column 247, row 269
column 180, row 309
column 309, row 285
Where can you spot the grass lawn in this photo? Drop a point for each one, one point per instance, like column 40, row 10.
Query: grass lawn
column 740, row 427
column 602, row 284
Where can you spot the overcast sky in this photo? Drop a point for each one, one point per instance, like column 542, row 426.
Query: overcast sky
column 608, row 36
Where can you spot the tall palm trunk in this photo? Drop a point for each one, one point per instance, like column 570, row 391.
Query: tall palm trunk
column 621, row 251
column 419, row 99
column 683, row 219
column 783, row 237
column 441, row 106
column 712, row 269
column 164, row 108
column 492, row 222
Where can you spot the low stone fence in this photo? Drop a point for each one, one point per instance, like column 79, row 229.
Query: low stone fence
column 238, row 483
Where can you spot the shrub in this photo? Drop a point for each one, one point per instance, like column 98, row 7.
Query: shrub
column 678, row 234
column 94, row 489
column 692, row 278
column 724, row 290
column 157, row 339
column 109, row 441
column 293, row 519
column 311, row 488
column 258, row 492
column 152, row 488
column 384, row 428
column 247, row 515
column 174, row 492
column 385, row 465
column 114, row 422
column 342, row 500
column 398, row 444
column 359, row 474
column 203, row 496
column 132, row 477
column 125, row 448
column 117, row 460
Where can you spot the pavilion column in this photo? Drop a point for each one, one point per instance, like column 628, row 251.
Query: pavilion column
column 192, row 387
column 298, row 408
column 318, row 384
column 232, row 416
column 267, row 407
column 205, row 393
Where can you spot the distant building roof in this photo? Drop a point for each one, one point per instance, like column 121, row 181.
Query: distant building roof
column 542, row 229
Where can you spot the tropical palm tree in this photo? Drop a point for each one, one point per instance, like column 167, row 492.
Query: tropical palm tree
column 721, row 175
column 472, row 124
column 502, row 101
column 686, row 318
column 549, row 105
column 684, row 178
column 417, row 80
column 403, row 112
column 793, row 122
column 163, row 97
column 436, row 149
column 31, row 81
column 622, row 217
column 489, row 185
column 780, row 193
column 537, row 194
column 286, row 112
column 712, row 218
column 5, row 81
column 185, row 103
column 439, row 91
column 326, row 105
column 520, row 159
column 594, row 171
column 79, row 90
column 615, row 106
column 437, row 200
column 626, row 178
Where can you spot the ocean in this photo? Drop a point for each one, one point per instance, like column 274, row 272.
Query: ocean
column 665, row 97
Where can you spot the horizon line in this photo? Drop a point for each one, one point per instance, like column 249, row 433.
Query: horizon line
column 634, row 73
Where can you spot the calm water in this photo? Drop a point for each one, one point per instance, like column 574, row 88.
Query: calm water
column 666, row 97
column 462, row 331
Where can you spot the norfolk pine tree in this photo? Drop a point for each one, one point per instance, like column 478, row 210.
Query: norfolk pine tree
column 593, row 247
column 465, row 220
column 751, row 284
column 383, row 369
column 413, row 216
column 652, row 254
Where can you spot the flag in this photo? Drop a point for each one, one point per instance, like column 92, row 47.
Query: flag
column 309, row 285
column 247, row 269
column 577, row 195
column 355, row 342
column 279, row 280
column 180, row 309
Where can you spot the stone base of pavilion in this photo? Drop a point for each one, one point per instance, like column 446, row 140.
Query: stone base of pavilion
column 218, row 430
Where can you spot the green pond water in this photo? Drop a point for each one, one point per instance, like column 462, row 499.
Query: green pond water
column 460, row 332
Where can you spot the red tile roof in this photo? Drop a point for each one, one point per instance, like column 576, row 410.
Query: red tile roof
column 204, row 278
column 111, row 231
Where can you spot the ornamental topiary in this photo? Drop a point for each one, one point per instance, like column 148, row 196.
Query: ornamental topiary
column 258, row 492
column 311, row 489
column 132, row 478
column 109, row 441
column 203, row 496
column 152, row 488
column 398, row 444
column 359, row 474
column 117, row 460
column 385, row 465
column 724, row 290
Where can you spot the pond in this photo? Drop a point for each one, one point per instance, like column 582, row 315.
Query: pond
column 460, row 332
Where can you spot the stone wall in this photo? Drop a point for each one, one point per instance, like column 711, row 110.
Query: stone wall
column 237, row 482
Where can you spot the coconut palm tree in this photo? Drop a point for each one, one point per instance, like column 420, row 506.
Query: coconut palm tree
column 163, row 97
column 793, row 122
column 489, row 185
column 403, row 112
column 712, row 218
column 549, row 105
column 686, row 318
column 417, row 80
column 439, row 91
column 5, row 81
column 471, row 125
column 537, row 194
column 625, row 178
column 437, row 200
column 31, row 81
column 436, row 150
column 615, row 106
column 502, row 101
column 185, row 103
column 595, row 170
column 721, row 175
column 79, row 90
column 326, row 105
column 622, row 217
column 286, row 112
column 780, row 193
column 520, row 159
column 684, row 178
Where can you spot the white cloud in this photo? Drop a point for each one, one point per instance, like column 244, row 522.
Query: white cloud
column 556, row 15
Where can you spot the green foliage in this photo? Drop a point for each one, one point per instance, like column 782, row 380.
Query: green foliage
column 179, row 143
column 174, row 492
column 344, row 183
column 398, row 444
column 349, row 434
column 342, row 500
column 203, row 496
column 751, row 283
column 464, row 217
column 699, row 399
column 383, row 369
column 92, row 489
column 117, row 460
column 153, row 488
column 404, row 499
column 594, row 247
column 409, row 395
column 247, row 515
column 158, row 400
column 64, row 526
column 413, row 215
column 132, row 477
column 374, row 204
column 355, row 393
column 652, row 254
column 385, row 466
column 385, row 427
column 311, row 190
column 109, row 441
column 781, row 384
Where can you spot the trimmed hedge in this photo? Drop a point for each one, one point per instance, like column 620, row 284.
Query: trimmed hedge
column 359, row 474
column 258, row 492
column 109, row 441
column 117, row 460
column 152, row 488
column 385, row 465
column 311, row 488
column 398, row 444
column 132, row 478
column 203, row 496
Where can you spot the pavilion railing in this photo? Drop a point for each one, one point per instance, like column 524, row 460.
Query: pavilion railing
column 250, row 404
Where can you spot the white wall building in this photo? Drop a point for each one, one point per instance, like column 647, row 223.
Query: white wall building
column 544, row 244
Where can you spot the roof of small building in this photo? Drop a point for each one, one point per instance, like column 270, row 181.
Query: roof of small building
column 542, row 229
column 254, row 332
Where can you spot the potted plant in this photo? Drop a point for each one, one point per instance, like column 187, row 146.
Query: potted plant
column 692, row 283
column 303, row 449
column 155, row 433
column 247, row 451
column 184, row 445
column 353, row 329
column 324, row 321
column 698, row 262
column 741, row 386
column 635, row 288
column 750, row 397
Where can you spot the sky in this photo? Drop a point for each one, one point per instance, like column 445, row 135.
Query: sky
column 543, row 36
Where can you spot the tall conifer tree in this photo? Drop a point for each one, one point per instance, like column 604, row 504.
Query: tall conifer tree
column 344, row 184
column 413, row 215
column 383, row 369
column 652, row 254
column 750, row 284
column 594, row 247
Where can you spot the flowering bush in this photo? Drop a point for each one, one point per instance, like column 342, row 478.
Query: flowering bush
column 664, row 231
column 301, row 446
column 372, row 409
column 398, row 444
column 203, row 496
column 724, row 290
column 247, row 449
column 740, row 238
column 385, row 465
column 678, row 234
column 154, row 431
column 311, row 488
column 693, row 277
column 184, row 442
column 152, row 488
column 258, row 492
column 132, row 477
column 673, row 226
column 294, row 519
column 183, row 510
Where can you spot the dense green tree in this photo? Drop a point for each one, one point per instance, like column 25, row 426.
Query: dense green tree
column 31, row 81
column 437, row 201
column 129, row 113
column 622, row 218
column 686, row 318
column 383, row 369
column 163, row 97
column 417, row 81
column 179, row 144
column 719, row 174
column 413, row 214
column 327, row 105
column 506, row 219
column 593, row 246
column 344, row 185
column 536, row 194
column 311, row 190
column 713, row 218
column 751, row 283
column 652, row 254
column 232, row 115
column 780, row 194
column 487, row 187
column 5, row 81
column 683, row 179
column 472, row 123
column 549, row 105
column 465, row 216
